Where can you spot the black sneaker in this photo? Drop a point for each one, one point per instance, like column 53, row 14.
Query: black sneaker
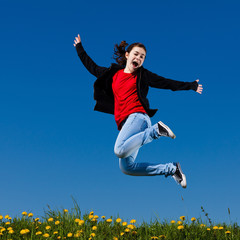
column 165, row 131
column 179, row 177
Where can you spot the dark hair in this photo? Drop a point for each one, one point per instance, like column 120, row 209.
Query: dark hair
column 120, row 50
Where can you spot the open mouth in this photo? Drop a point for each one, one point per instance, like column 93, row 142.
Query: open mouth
column 135, row 64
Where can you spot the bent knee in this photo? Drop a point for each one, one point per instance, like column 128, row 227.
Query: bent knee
column 119, row 152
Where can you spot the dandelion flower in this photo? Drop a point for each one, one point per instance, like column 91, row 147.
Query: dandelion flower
column 46, row 235
column 227, row 232
column 77, row 220
column 122, row 233
column 127, row 230
column 124, row 223
column 208, row 229
column 7, row 223
column 220, row 228
column 115, row 238
column 94, row 228
column 65, row 210
column 57, row 222
column 133, row 221
column 172, row 222
column 180, row 227
column 92, row 235
column 179, row 223
column 91, row 213
column 81, row 222
column 7, row 217
column 134, row 232
column 10, row 228
column 11, row 231
column 162, row 236
column 109, row 220
column 55, row 233
column 24, row 213
column 90, row 216
column 193, row 219
column 50, row 220
column 36, row 219
column 215, row 228
column 48, row 227
column 118, row 220
column 202, row 225
column 39, row 233
column 69, row 235
column 103, row 217
column 95, row 216
column 130, row 226
column 154, row 237
column 182, row 218
column 30, row 214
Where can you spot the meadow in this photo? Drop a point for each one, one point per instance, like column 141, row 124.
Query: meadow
column 65, row 224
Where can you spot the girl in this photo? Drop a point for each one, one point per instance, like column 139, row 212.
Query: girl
column 122, row 90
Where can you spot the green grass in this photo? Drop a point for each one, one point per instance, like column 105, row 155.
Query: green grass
column 72, row 224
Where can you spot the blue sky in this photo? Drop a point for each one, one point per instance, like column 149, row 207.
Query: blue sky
column 54, row 146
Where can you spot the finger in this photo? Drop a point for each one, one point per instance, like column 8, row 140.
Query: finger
column 197, row 80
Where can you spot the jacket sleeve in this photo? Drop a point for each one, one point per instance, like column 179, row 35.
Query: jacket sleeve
column 89, row 64
column 165, row 83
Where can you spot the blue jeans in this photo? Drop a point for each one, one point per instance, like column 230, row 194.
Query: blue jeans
column 136, row 131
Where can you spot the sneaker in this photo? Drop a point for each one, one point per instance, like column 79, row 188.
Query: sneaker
column 179, row 177
column 165, row 131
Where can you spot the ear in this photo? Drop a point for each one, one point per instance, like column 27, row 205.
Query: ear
column 126, row 55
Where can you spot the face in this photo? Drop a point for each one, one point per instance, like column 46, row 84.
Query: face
column 135, row 59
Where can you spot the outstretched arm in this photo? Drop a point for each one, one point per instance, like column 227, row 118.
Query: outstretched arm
column 199, row 88
column 89, row 64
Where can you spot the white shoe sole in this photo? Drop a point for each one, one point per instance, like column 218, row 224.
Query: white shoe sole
column 184, row 181
column 170, row 132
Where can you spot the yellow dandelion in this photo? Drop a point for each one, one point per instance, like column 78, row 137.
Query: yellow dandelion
column 3, row 229
column 134, row 232
column 124, row 223
column 36, row 219
column 103, row 217
column 58, row 237
column 39, row 233
column 30, row 214
column 7, row 217
column 69, row 235
column 1, row 217
column 215, row 228
column 109, row 220
column 91, row 213
column 90, row 216
column 172, row 222
column 118, row 220
column 92, row 235
column 130, row 226
column 46, row 235
column 77, row 220
column 55, row 233
column 133, row 221
column 115, row 238
column 193, row 219
column 162, row 236
column 154, row 237
column 95, row 216
column 57, row 222
column 179, row 223
column 65, row 210
column 24, row 213
column 50, row 220
column 94, row 228
column 127, row 230
column 208, row 229
column 9, row 228
column 202, row 225
column 11, row 231
column 7, row 223
column 220, row 228
column 182, row 218
column 180, row 227
column 227, row 232
column 81, row 222
column 122, row 233
column 48, row 227
column 93, row 220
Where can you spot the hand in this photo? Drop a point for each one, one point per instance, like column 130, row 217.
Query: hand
column 199, row 88
column 77, row 40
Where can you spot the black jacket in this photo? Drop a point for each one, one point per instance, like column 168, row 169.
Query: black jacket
column 103, row 93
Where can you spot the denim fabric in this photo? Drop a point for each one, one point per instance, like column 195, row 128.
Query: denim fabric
column 136, row 131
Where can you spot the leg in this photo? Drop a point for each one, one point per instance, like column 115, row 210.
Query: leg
column 136, row 132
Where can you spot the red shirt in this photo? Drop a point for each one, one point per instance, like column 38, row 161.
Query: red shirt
column 126, row 100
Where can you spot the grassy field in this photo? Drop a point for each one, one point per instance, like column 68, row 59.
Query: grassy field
column 72, row 224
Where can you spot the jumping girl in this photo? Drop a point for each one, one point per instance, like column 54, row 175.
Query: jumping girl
column 122, row 90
